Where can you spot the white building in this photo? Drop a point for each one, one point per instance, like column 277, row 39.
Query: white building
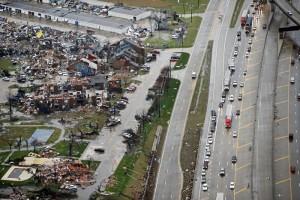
column 129, row 13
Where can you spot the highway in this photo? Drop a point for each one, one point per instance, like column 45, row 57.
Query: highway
column 169, row 178
column 225, row 146
column 285, row 7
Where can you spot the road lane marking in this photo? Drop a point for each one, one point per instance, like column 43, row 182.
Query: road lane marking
column 282, row 86
column 245, row 126
column 250, row 92
column 289, row 160
column 247, row 108
column 243, row 166
column 283, row 72
column 241, row 190
column 282, row 181
column 244, row 145
column 281, row 102
column 249, row 78
column 278, row 120
column 281, row 137
column 282, row 158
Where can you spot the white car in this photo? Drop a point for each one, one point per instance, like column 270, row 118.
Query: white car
column 210, row 141
column 203, row 172
column 234, row 84
column 208, row 153
column 250, row 41
column 234, row 134
column 231, row 98
column 235, row 53
column 59, row 72
column 290, row 13
column 241, row 84
column 254, row 28
column 247, row 54
column 232, row 185
column 175, row 36
column 5, row 78
column 204, row 187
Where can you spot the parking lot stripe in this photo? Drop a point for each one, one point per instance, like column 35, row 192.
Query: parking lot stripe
column 281, row 137
column 284, row 118
column 251, row 77
column 282, row 86
column 282, row 181
column 247, row 125
column 244, row 145
column 248, row 108
column 243, row 166
column 280, row 102
column 282, row 158
column 241, row 190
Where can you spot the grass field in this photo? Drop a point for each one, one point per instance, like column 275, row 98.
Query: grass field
column 6, row 64
column 54, row 136
column 3, row 156
column 63, row 148
column 236, row 12
column 181, row 63
column 183, row 7
column 129, row 175
column 188, row 40
column 18, row 156
column 93, row 164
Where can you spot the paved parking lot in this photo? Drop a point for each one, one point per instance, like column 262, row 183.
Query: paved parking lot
column 281, row 157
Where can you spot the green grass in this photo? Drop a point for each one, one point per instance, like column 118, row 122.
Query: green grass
column 3, row 170
column 194, row 124
column 6, row 64
column 3, row 156
column 14, row 132
column 188, row 40
column 92, row 164
column 236, row 12
column 18, row 156
column 129, row 175
column 181, row 63
column 54, row 136
column 63, row 148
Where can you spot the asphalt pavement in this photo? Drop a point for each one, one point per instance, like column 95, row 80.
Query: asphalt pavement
column 169, row 178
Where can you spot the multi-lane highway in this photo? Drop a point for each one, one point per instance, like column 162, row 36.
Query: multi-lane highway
column 225, row 145
column 288, row 10
column 169, row 178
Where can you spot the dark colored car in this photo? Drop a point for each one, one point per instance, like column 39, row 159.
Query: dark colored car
column 291, row 137
column 234, row 159
column 293, row 169
column 238, row 112
column 264, row 26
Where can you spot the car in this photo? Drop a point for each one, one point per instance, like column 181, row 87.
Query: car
column 238, row 112
column 213, row 118
column 239, row 33
column 292, row 62
column 290, row 13
column 292, row 81
column 235, row 53
column 264, row 26
column 222, row 100
column 210, row 140
column 291, row 137
column 241, row 84
column 203, row 172
column 210, row 135
column 221, row 105
column 234, row 83
column 236, row 48
column 207, row 146
column 203, row 179
column 175, row 36
column 194, row 75
column 250, row 41
column 224, row 94
column 247, row 54
column 298, row 96
column 252, row 34
column 245, row 72
column 213, row 113
column 293, row 169
column 252, row 4
column 99, row 150
column 249, row 49
column 204, row 187
column 231, row 185
column 231, row 98
column 233, row 159
column 5, row 78
column 234, row 134
column 207, row 153
column 240, row 97
column 239, row 38
column 253, row 12
column 59, row 73
column 254, row 28
column 222, row 172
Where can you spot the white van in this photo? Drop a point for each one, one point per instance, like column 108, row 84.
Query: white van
column 194, row 75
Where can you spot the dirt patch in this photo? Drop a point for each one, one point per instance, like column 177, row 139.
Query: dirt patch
column 194, row 125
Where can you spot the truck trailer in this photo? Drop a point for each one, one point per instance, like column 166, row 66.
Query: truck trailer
column 228, row 117
column 248, row 26
column 244, row 17
column 227, row 80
